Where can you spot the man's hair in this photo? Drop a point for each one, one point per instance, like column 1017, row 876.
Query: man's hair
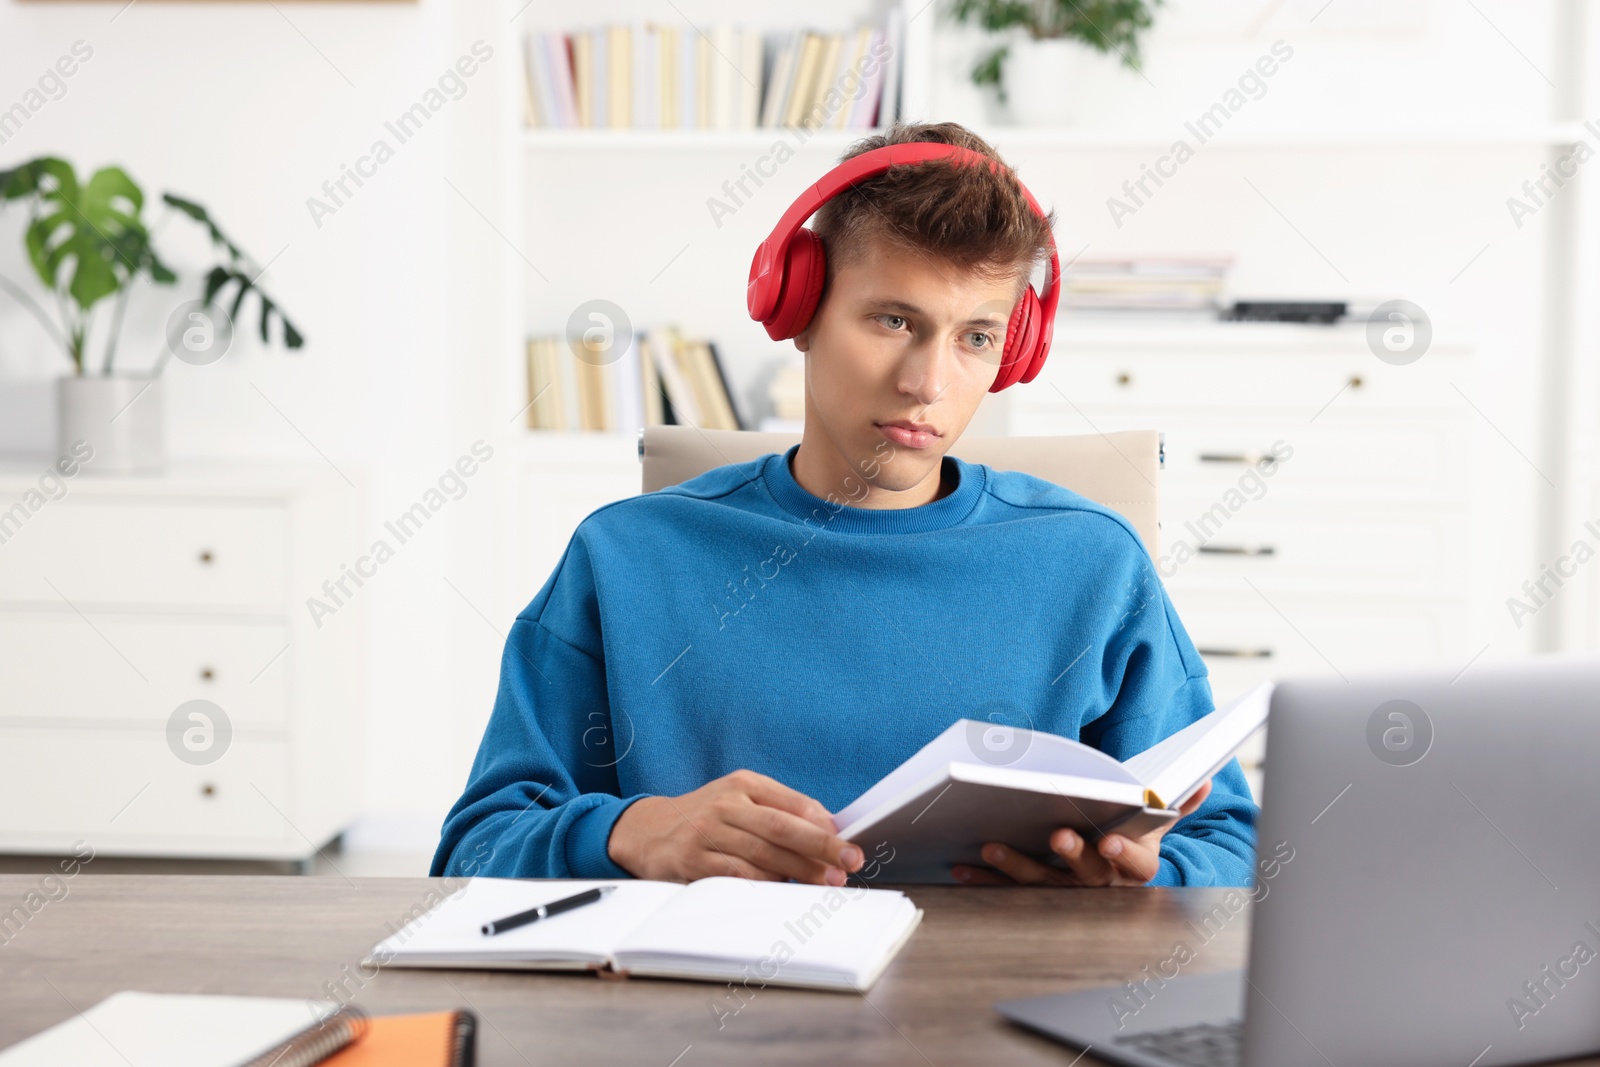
column 969, row 216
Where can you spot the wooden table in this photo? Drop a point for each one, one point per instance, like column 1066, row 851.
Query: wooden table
column 301, row 937
column 285, row 936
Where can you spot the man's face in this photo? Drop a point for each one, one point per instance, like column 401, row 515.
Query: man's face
column 900, row 337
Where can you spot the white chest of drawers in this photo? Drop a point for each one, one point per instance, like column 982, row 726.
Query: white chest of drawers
column 122, row 599
column 1317, row 503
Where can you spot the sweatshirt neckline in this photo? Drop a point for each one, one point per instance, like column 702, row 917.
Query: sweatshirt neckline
column 968, row 480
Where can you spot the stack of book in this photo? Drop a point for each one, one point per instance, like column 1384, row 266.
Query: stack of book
column 1145, row 283
column 660, row 377
column 649, row 75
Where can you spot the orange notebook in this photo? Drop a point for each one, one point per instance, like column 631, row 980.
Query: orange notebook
column 435, row 1039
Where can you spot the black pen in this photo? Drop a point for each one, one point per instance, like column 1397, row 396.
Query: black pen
column 544, row 911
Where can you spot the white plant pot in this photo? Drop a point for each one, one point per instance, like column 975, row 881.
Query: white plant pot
column 1048, row 82
column 120, row 417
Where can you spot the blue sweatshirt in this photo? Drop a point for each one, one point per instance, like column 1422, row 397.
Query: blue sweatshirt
column 739, row 621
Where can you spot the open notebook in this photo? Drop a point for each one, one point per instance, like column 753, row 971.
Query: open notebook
column 717, row 929
column 978, row 782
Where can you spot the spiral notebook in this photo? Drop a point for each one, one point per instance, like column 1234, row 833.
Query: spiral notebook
column 134, row 1029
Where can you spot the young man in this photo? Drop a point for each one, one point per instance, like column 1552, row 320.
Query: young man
column 713, row 668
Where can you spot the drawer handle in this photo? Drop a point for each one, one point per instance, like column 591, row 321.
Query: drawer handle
column 1237, row 653
column 1238, row 457
column 1238, row 550
column 205, row 555
column 208, row 790
column 207, row 674
column 1124, row 378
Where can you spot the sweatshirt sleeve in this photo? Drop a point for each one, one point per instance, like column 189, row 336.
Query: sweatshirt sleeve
column 1157, row 685
column 542, row 795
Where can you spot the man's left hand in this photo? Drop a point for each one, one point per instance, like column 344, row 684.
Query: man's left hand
column 1114, row 860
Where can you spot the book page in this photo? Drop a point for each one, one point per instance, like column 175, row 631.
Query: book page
column 172, row 1029
column 1174, row 768
column 781, row 931
column 452, row 931
column 986, row 744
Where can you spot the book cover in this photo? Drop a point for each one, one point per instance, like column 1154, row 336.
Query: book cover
column 720, row 388
column 753, row 53
column 619, row 73
column 558, row 47
column 688, row 79
column 655, row 412
column 664, row 347
column 866, row 111
column 532, row 112
column 643, row 48
column 583, row 77
column 805, row 78
column 780, row 79
column 894, row 31
column 599, row 69
column 816, row 114
column 668, row 55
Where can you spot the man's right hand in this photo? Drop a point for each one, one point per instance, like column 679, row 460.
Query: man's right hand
column 743, row 824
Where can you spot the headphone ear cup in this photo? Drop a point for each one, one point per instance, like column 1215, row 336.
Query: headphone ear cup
column 804, row 269
column 1038, row 340
column 1022, row 335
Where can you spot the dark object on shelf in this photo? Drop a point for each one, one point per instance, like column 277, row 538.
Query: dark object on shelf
column 722, row 376
column 1320, row 312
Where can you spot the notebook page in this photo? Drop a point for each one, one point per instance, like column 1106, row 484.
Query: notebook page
column 1176, row 766
column 452, row 931
column 168, row 1030
column 971, row 741
column 780, row 930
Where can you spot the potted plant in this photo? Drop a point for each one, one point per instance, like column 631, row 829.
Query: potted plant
column 1049, row 64
column 87, row 241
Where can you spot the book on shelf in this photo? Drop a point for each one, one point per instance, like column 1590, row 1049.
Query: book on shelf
column 657, row 75
column 660, row 378
column 1145, row 283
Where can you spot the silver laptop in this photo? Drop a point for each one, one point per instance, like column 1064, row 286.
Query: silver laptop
column 1442, row 902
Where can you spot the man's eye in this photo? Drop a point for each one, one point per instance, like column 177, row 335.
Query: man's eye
column 897, row 318
column 982, row 340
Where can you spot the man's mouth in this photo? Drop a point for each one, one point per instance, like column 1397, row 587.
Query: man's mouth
column 908, row 433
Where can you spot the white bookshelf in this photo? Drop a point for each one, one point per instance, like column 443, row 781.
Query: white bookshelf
column 1537, row 351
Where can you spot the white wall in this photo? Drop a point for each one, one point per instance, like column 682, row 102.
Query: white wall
column 249, row 110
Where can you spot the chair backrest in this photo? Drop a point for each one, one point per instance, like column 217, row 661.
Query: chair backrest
column 1120, row 470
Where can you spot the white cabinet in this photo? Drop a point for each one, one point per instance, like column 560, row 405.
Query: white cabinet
column 1317, row 503
column 124, row 599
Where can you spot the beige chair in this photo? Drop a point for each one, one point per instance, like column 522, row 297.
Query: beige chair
column 1120, row 470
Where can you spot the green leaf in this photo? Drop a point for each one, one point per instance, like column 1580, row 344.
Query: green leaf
column 202, row 216
column 238, row 301
column 266, row 313
column 215, row 280
column 86, row 241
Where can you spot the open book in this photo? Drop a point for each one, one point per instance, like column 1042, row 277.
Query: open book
column 716, row 929
column 978, row 782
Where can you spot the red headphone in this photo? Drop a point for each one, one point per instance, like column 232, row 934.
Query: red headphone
column 788, row 269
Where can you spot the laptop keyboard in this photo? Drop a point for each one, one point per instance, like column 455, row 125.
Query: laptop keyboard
column 1200, row 1045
